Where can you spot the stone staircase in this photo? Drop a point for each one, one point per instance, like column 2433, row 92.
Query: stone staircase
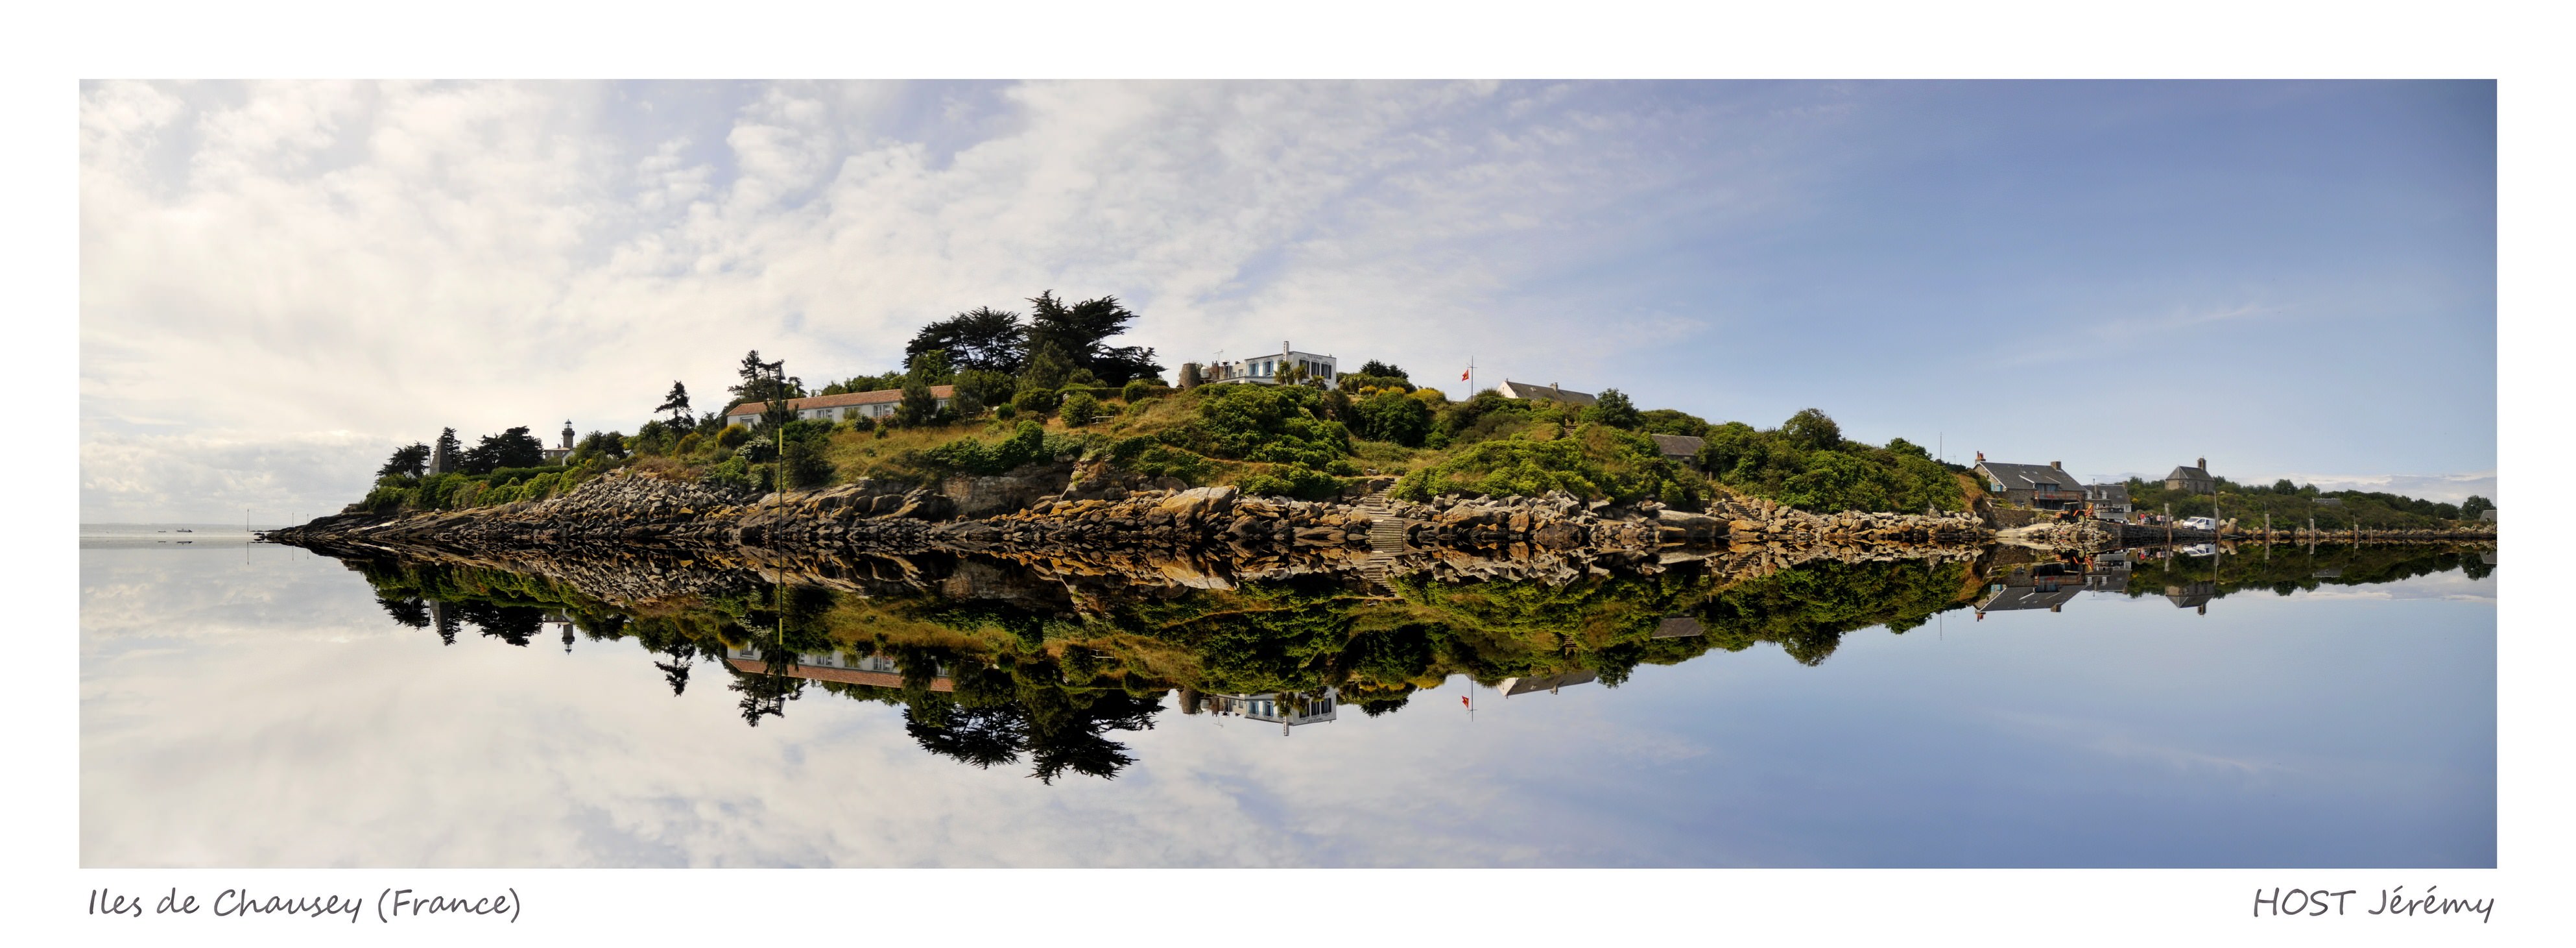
column 1385, row 539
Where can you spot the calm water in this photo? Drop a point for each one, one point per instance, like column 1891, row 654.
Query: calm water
column 256, row 705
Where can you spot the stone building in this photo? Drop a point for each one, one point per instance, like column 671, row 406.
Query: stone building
column 563, row 449
column 2195, row 478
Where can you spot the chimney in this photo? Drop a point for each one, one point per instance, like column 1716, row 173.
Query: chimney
column 1981, row 457
column 2057, row 465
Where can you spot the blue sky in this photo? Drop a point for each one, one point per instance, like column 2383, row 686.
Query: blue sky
column 280, row 282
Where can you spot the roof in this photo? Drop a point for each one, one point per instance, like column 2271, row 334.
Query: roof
column 879, row 396
column 2026, row 476
column 2107, row 493
column 1512, row 389
column 2188, row 474
column 1678, row 445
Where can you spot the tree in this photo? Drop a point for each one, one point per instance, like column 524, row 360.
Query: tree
column 1078, row 331
column 918, row 407
column 765, row 382
column 677, row 403
column 980, row 339
column 408, row 461
column 1049, row 366
column 2475, row 507
column 598, row 444
column 514, row 447
column 448, row 453
column 1375, row 367
column 1614, row 409
column 1813, row 430
column 931, row 366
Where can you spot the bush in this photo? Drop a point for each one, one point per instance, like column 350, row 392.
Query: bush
column 689, row 443
column 1137, row 390
column 1595, row 462
column 1276, row 424
column 1153, row 459
column 1392, row 416
column 1035, row 402
column 1289, row 481
column 806, row 466
column 732, row 437
column 733, row 472
column 1784, row 465
column 1027, row 444
column 1080, row 409
column 1005, row 411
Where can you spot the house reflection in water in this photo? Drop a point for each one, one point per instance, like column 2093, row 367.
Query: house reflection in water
column 2192, row 595
column 873, row 670
column 1549, row 684
column 1284, row 708
column 2041, row 586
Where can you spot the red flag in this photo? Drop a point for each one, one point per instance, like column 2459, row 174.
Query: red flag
column 1462, row 699
column 1462, row 376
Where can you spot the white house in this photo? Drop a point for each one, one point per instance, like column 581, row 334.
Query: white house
column 1287, row 709
column 877, row 404
column 1264, row 370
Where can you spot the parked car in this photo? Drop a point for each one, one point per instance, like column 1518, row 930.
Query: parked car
column 2197, row 523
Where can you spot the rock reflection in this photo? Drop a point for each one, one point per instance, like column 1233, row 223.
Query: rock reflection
column 1010, row 662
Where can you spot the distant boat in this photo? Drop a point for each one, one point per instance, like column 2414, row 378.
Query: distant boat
column 183, row 530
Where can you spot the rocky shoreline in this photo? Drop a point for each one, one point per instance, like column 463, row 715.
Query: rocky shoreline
column 1190, row 535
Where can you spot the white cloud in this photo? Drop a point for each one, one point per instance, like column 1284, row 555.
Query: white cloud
column 281, row 260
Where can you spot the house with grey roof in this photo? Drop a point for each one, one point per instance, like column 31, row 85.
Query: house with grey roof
column 1682, row 448
column 1549, row 392
column 2195, row 478
column 2041, row 486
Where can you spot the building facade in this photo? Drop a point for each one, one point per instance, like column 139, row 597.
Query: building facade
column 2195, row 478
column 2109, row 501
column 2039, row 486
column 1264, row 370
column 872, row 405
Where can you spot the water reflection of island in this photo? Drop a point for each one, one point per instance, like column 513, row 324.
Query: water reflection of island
column 996, row 662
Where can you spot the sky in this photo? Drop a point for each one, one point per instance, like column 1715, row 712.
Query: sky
column 281, row 282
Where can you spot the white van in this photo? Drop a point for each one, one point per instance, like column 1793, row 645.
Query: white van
column 2197, row 523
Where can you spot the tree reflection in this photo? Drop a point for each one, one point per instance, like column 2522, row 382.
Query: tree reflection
column 1004, row 664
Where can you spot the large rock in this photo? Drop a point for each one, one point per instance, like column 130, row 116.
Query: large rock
column 1198, row 504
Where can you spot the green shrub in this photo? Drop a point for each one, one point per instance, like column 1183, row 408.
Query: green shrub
column 1005, row 411
column 1137, row 390
column 1080, row 409
column 1806, row 464
column 732, row 472
column 1034, row 402
column 806, row 466
column 1028, row 443
column 1595, row 462
column 1289, row 481
column 1393, row 416
column 1276, row 424
column 732, row 437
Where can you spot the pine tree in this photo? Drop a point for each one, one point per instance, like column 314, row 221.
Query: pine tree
column 677, row 402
